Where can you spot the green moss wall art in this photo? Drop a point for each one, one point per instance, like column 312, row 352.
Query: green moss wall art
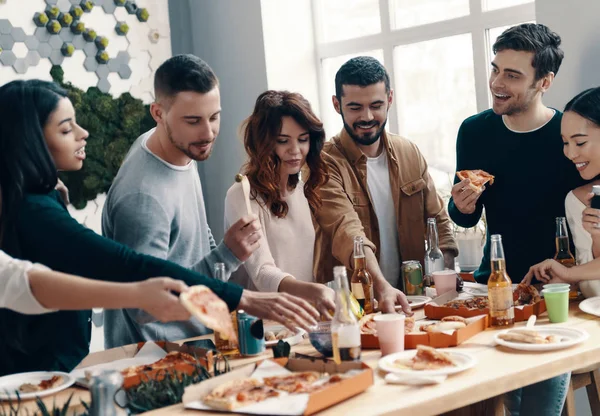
column 114, row 124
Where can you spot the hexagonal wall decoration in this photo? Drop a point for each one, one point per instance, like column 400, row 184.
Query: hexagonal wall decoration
column 56, row 42
column 20, row 66
column 89, row 35
column 122, row 28
column 76, row 11
column 67, row 49
column 32, row 42
column 79, row 42
column 5, row 27
column 44, row 49
column 6, row 42
column 40, row 19
column 18, row 34
column 53, row 27
column 7, row 58
column 142, row 14
column 41, row 33
column 77, row 27
column 131, row 7
column 101, row 42
column 104, row 85
column 52, row 12
column 65, row 19
column 90, row 49
column 32, row 58
column 102, row 57
column 86, row 5
column 90, row 64
column 56, row 57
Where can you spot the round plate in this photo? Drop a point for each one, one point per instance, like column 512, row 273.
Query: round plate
column 570, row 337
column 293, row 340
column 416, row 301
column 463, row 362
column 591, row 306
column 9, row 384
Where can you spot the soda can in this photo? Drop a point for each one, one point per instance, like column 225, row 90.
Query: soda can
column 251, row 334
column 412, row 276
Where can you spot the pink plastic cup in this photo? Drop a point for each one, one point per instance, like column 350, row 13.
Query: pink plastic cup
column 444, row 281
column 390, row 331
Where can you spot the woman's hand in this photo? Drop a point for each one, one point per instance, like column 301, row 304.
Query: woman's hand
column 591, row 218
column 155, row 297
column 549, row 271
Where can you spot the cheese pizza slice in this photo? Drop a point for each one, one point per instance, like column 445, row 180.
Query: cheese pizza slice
column 209, row 309
column 238, row 393
column 477, row 177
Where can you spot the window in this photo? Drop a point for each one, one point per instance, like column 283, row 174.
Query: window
column 437, row 52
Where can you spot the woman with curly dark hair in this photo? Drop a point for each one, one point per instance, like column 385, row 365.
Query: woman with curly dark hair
column 282, row 136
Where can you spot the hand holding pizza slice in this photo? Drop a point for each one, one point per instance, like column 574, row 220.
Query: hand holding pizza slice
column 209, row 309
column 478, row 178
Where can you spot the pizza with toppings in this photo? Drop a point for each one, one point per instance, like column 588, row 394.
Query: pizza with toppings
column 293, row 383
column 477, row 177
column 171, row 360
column 55, row 381
column 209, row 309
column 239, row 393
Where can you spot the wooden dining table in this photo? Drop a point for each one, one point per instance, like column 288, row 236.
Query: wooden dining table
column 478, row 390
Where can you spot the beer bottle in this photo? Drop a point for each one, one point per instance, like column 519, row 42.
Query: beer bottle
column 362, row 282
column 500, row 294
column 225, row 345
column 434, row 259
column 563, row 252
column 345, row 333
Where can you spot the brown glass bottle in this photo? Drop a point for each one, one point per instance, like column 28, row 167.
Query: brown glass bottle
column 500, row 294
column 362, row 282
column 563, row 251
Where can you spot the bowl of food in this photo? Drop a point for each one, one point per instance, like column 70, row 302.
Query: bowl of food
column 320, row 338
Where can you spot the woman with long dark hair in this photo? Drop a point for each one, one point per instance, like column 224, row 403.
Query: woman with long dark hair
column 282, row 136
column 38, row 136
column 580, row 130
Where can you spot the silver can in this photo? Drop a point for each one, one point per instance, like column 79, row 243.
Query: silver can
column 104, row 386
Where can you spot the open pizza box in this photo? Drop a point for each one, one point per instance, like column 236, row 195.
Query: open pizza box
column 359, row 378
column 143, row 353
column 436, row 310
column 445, row 339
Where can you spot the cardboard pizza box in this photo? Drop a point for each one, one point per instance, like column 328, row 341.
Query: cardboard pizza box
column 320, row 400
column 437, row 340
column 115, row 355
column 436, row 310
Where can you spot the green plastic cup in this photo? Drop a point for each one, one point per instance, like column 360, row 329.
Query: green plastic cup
column 557, row 304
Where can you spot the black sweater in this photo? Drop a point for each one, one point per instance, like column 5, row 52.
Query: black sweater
column 45, row 233
column 533, row 177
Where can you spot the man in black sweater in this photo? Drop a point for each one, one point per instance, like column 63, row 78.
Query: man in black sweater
column 518, row 142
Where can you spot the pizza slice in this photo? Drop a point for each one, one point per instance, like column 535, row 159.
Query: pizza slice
column 477, row 177
column 209, row 309
column 427, row 358
column 293, row 383
column 48, row 384
column 238, row 393
column 367, row 324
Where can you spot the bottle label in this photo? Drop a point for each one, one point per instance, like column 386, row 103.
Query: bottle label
column 357, row 291
column 501, row 300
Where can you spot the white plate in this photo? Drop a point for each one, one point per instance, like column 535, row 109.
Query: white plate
column 293, row 340
column 463, row 362
column 416, row 301
column 9, row 384
column 591, row 306
column 570, row 337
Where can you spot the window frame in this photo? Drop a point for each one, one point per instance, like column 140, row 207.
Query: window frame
column 476, row 23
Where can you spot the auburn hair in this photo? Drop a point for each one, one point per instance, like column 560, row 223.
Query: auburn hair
column 260, row 132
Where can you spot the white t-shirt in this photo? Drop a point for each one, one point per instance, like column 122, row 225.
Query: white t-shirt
column 378, row 181
column 287, row 246
column 15, row 293
column 583, row 242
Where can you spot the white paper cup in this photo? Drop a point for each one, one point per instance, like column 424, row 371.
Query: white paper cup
column 444, row 281
column 390, row 331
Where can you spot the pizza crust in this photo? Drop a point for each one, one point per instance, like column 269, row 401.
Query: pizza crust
column 229, row 395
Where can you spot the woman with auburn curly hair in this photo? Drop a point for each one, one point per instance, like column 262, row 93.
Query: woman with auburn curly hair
column 282, row 136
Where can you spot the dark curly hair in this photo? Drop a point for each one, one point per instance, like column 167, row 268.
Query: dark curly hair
column 536, row 38
column 260, row 132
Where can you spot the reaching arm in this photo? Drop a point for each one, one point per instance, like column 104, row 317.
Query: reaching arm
column 50, row 236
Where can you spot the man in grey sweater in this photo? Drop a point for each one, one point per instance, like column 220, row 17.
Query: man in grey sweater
column 155, row 204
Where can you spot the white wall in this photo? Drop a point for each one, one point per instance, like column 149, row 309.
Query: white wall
column 228, row 35
column 576, row 21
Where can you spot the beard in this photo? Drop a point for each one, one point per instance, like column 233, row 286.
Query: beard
column 198, row 157
column 521, row 106
column 366, row 139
